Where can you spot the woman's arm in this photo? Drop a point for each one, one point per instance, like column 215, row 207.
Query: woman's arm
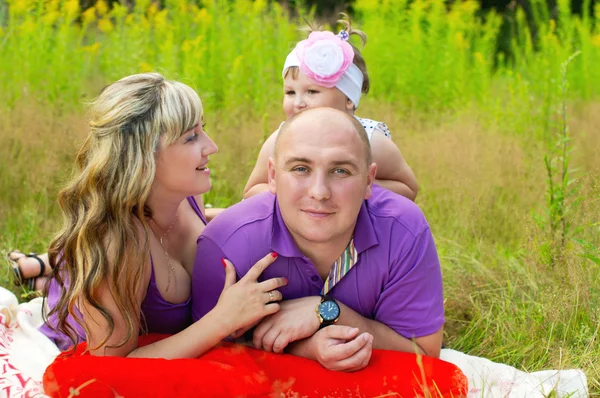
column 393, row 172
column 258, row 180
column 241, row 304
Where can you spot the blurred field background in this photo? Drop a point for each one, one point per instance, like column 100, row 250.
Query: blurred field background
column 502, row 134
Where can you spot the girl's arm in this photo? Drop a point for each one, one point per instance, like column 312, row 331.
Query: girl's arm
column 258, row 180
column 393, row 172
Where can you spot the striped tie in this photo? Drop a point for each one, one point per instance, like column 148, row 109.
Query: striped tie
column 341, row 267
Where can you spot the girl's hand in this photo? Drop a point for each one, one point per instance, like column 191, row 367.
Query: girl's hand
column 247, row 301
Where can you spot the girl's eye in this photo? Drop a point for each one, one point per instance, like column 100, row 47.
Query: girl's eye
column 313, row 92
column 289, row 92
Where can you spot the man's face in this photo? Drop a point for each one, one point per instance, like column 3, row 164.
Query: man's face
column 321, row 178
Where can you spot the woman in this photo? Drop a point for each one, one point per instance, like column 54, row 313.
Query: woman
column 132, row 214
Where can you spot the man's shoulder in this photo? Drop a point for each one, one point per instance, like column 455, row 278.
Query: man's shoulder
column 249, row 215
column 388, row 208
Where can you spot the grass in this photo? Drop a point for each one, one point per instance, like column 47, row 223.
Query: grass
column 474, row 125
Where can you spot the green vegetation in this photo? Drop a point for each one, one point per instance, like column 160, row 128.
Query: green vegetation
column 504, row 145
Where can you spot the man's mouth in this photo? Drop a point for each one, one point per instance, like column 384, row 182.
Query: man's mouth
column 317, row 213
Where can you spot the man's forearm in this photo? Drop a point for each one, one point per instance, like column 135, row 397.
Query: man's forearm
column 384, row 337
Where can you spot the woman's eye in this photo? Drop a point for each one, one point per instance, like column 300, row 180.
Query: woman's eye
column 203, row 125
column 192, row 137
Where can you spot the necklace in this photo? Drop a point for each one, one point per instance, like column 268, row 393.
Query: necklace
column 167, row 257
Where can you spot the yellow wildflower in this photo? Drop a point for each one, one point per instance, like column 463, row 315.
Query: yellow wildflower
column 596, row 40
column 20, row 7
column 186, row 47
column 28, row 27
column 161, row 19
column 71, row 9
column 460, row 40
column 102, row 8
column 183, row 6
column 119, row 11
column 105, row 25
column 259, row 6
column 479, row 58
column 203, row 17
column 51, row 17
column 89, row 15
column 129, row 19
column 146, row 67
column 152, row 10
column 91, row 49
column 52, row 5
column 237, row 63
column 469, row 7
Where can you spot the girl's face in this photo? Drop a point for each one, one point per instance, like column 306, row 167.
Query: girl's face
column 301, row 93
column 181, row 167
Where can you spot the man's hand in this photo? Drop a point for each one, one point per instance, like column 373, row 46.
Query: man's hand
column 296, row 320
column 341, row 348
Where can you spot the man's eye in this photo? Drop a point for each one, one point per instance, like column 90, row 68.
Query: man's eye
column 340, row 172
column 300, row 169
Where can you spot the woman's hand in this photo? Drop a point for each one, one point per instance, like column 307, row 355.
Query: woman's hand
column 248, row 301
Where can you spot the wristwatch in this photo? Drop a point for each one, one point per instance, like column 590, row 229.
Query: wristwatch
column 328, row 311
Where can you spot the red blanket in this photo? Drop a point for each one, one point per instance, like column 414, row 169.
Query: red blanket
column 236, row 371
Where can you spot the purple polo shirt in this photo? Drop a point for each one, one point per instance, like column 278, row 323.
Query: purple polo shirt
column 397, row 280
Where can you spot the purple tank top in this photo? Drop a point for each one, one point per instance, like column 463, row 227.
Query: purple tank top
column 159, row 315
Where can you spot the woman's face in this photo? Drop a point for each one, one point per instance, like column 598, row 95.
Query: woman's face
column 181, row 168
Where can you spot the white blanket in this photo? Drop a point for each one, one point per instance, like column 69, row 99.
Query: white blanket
column 25, row 353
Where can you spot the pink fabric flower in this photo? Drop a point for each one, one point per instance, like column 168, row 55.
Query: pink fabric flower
column 324, row 58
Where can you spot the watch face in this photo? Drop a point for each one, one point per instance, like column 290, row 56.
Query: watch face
column 329, row 310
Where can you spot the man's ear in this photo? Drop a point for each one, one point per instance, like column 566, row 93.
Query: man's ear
column 372, row 172
column 271, row 175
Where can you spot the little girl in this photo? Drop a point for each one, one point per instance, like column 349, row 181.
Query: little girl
column 325, row 70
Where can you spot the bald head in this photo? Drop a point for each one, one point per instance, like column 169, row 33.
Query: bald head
column 326, row 119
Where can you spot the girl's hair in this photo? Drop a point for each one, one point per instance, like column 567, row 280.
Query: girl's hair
column 99, row 245
column 359, row 61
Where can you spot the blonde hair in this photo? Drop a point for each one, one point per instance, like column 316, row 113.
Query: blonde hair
column 116, row 168
column 359, row 61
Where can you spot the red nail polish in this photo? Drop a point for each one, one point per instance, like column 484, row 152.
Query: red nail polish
column 274, row 254
column 224, row 263
column 286, row 280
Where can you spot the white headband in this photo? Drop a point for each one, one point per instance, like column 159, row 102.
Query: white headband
column 328, row 63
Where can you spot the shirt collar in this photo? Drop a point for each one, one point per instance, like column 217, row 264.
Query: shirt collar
column 283, row 243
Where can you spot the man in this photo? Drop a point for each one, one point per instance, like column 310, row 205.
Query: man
column 354, row 254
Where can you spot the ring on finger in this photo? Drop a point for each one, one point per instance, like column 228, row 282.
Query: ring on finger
column 271, row 296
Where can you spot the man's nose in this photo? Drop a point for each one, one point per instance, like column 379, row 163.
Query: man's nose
column 319, row 187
